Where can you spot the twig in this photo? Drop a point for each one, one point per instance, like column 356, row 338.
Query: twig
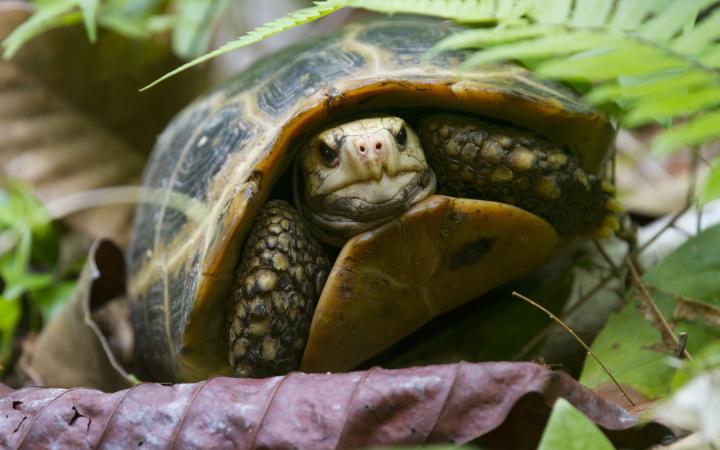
column 680, row 351
column 660, row 232
column 579, row 340
column 664, row 326
column 542, row 334
column 607, row 258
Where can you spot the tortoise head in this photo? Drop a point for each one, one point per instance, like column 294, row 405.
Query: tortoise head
column 351, row 177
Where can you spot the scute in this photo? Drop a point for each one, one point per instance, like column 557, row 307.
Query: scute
column 405, row 42
column 362, row 67
column 305, row 76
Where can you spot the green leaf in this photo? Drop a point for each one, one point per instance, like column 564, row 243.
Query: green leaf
column 51, row 299
column 52, row 16
column 691, row 270
column 551, row 11
column 630, row 14
column 24, row 282
column 9, row 317
column 626, row 346
column 648, row 87
column 672, row 104
column 9, row 313
column 191, row 32
column 22, row 213
column 135, row 8
column 569, row 429
column 626, row 59
column 468, row 11
column 700, row 37
column 89, row 11
column 707, row 358
column 125, row 26
column 672, row 19
column 291, row 20
column 630, row 344
column 711, row 58
column 698, row 130
column 492, row 36
column 711, row 190
column 513, row 10
column 590, row 13
column 20, row 260
column 539, row 48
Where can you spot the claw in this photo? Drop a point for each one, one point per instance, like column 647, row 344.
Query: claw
column 613, row 205
column 601, row 232
column 607, row 187
column 610, row 222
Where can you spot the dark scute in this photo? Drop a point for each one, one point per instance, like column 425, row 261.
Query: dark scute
column 152, row 333
column 179, row 286
column 223, row 133
column 146, row 216
column 406, row 40
column 306, row 75
column 269, row 67
column 161, row 165
column 164, row 157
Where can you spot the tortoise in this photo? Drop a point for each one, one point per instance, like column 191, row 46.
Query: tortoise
column 337, row 195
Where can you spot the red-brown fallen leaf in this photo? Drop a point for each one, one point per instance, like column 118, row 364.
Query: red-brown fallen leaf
column 451, row 403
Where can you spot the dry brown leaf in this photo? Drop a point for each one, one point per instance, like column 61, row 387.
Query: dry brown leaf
column 695, row 310
column 71, row 118
column 72, row 350
column 455, row 403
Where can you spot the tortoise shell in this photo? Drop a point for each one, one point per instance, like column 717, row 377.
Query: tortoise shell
column 215, row 164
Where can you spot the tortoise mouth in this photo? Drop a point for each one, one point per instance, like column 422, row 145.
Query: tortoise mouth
column 336, row 217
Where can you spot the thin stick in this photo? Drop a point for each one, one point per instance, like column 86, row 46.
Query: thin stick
column 579, row 340
column 614, row 268
column 665, row 330
column 667, row 226
column 542, row 334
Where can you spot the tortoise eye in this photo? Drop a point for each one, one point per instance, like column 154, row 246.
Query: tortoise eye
column 328, row 154
column 401, row 137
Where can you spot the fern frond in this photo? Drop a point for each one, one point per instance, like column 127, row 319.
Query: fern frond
column 711, row 190
column 292, row 20
column 89, row 10
column 658, row 60
column 467, row 11
column 703, row 35
column 697, row 131
column 492, row 36
column 648, row 87
column 591, row 13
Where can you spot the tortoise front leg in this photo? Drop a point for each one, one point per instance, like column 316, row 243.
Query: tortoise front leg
column 481, row 160
column 280, row 276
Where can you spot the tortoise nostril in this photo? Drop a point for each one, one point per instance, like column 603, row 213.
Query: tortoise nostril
column 378, row 145
column 362, row 149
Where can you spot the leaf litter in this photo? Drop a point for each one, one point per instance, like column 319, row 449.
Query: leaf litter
column 454, row 403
